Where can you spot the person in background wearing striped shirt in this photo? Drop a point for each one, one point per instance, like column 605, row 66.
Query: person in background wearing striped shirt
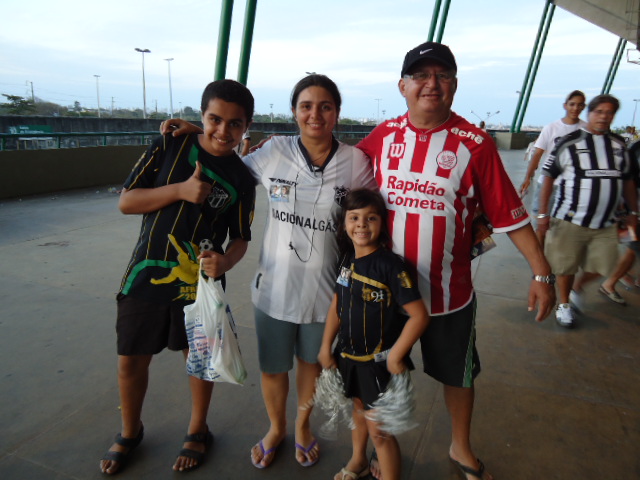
column 595, row 173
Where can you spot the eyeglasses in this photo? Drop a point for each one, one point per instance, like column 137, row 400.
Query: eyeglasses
column 422, row 77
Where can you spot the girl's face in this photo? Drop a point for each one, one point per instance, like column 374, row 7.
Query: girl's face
column 574, row 107
column 363, row 227
column 315, row 113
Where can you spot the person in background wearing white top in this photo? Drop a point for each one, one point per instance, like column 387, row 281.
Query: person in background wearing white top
column 573, row 106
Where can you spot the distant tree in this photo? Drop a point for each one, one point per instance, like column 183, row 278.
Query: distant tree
column 189, row 113
column 49, row 108
column 349, row 121
column 18, row 105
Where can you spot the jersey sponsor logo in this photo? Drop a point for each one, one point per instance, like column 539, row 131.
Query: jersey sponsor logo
column 603, row 173
column 519, row 212
column 396, row 151
column 340, row 194
column 397, row 193
column 470, row 135
column 401, row 124
column 218, row 198
column 282, row 181
column 279, row 192
column 304, row 222
column 447, row 159
column 372, row 295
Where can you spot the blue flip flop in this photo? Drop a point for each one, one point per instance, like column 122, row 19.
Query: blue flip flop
column 306, row 451
column 264, row 454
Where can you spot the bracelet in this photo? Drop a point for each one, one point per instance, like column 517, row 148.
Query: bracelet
column 634, row 213
column 542, row 215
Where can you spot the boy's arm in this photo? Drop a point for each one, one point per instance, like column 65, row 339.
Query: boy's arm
column 531, row 170
column 178, row 126
column 215, row 264
column 331, row 327
column 412, row 331
column 146, row 200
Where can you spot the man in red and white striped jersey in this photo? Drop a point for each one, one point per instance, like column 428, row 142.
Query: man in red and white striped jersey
column 436, row 170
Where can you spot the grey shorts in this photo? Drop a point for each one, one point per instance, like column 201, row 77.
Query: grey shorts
column 279, row 341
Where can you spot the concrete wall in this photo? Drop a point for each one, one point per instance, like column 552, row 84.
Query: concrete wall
column 31, row 172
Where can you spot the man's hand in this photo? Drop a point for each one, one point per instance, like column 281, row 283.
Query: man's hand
column 213, row 263
column 177, row 127
column 194, row 190
column 544, row 296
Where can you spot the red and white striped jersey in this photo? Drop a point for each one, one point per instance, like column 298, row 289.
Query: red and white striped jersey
column 433, row 182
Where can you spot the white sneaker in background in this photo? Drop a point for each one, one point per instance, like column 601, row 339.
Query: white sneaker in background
column 577, row 300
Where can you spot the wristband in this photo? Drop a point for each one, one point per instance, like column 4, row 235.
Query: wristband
column 542, row 215
column 634, row 213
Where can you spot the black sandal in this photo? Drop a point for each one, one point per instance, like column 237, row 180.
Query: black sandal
column 121, row 457
column 204, row 438
column 466, row 470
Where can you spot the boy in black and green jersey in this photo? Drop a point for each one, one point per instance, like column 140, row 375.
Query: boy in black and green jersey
column 194, row 192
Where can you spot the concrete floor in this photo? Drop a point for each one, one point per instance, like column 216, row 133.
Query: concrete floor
column 550, row 403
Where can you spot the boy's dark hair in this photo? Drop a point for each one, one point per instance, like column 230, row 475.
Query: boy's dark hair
column 605, row 98
column 316, row 80
column 229, row 91
column 575, row 93
column 361, row 198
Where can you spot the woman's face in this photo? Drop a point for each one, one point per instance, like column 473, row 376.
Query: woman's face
column 574, row 107
column 316, row 113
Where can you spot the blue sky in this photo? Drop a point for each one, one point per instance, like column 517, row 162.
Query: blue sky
column 60, row 46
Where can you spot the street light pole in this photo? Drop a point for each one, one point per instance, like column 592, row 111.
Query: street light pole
column 98, row 92
column 144, row 89
column 170, row 93
column 633, row 122
column 378, row 114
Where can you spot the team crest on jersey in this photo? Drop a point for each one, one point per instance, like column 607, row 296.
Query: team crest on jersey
column 446, row 159
column 218, row 198
column 396, row 150
column 340, row 194
column 279, row 192
column 405, row 280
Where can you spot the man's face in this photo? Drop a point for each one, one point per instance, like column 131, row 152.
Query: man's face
column 600, row 118
column 432, row 95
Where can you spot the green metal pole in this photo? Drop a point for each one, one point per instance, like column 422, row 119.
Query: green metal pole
column 247, row 39
column 434, row 20
column 223, row 39
column 523, row 89
column 532, row 80
column 443, row 20
column 613, row 68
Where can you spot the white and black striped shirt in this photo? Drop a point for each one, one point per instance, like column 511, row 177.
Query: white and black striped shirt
column 591, row 169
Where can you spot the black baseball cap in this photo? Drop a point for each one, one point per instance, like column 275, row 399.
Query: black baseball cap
column 429, row 51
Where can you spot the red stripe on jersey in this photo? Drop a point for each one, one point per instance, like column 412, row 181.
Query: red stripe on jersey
column 420, row 154
column 437, row 256
column 412, row 241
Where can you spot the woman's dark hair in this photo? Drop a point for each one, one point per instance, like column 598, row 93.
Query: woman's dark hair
column 605, row 98
column 575, row 93
column 229, row 91
column 316, row 80
column 361, row 198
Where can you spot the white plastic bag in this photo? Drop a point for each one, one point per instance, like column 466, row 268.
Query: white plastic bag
column 214, row 353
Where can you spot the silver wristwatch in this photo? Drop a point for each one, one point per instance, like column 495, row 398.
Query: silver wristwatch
column 550, row 279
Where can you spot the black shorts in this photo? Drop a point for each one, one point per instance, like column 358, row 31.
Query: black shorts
column 449, row 347
column 147, row 328
column 365, row 380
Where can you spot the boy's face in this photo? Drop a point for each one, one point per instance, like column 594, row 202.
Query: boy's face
column 224, row 124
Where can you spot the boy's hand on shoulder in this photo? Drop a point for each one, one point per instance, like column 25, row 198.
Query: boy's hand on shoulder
column 213, row 263
column 194, row 190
